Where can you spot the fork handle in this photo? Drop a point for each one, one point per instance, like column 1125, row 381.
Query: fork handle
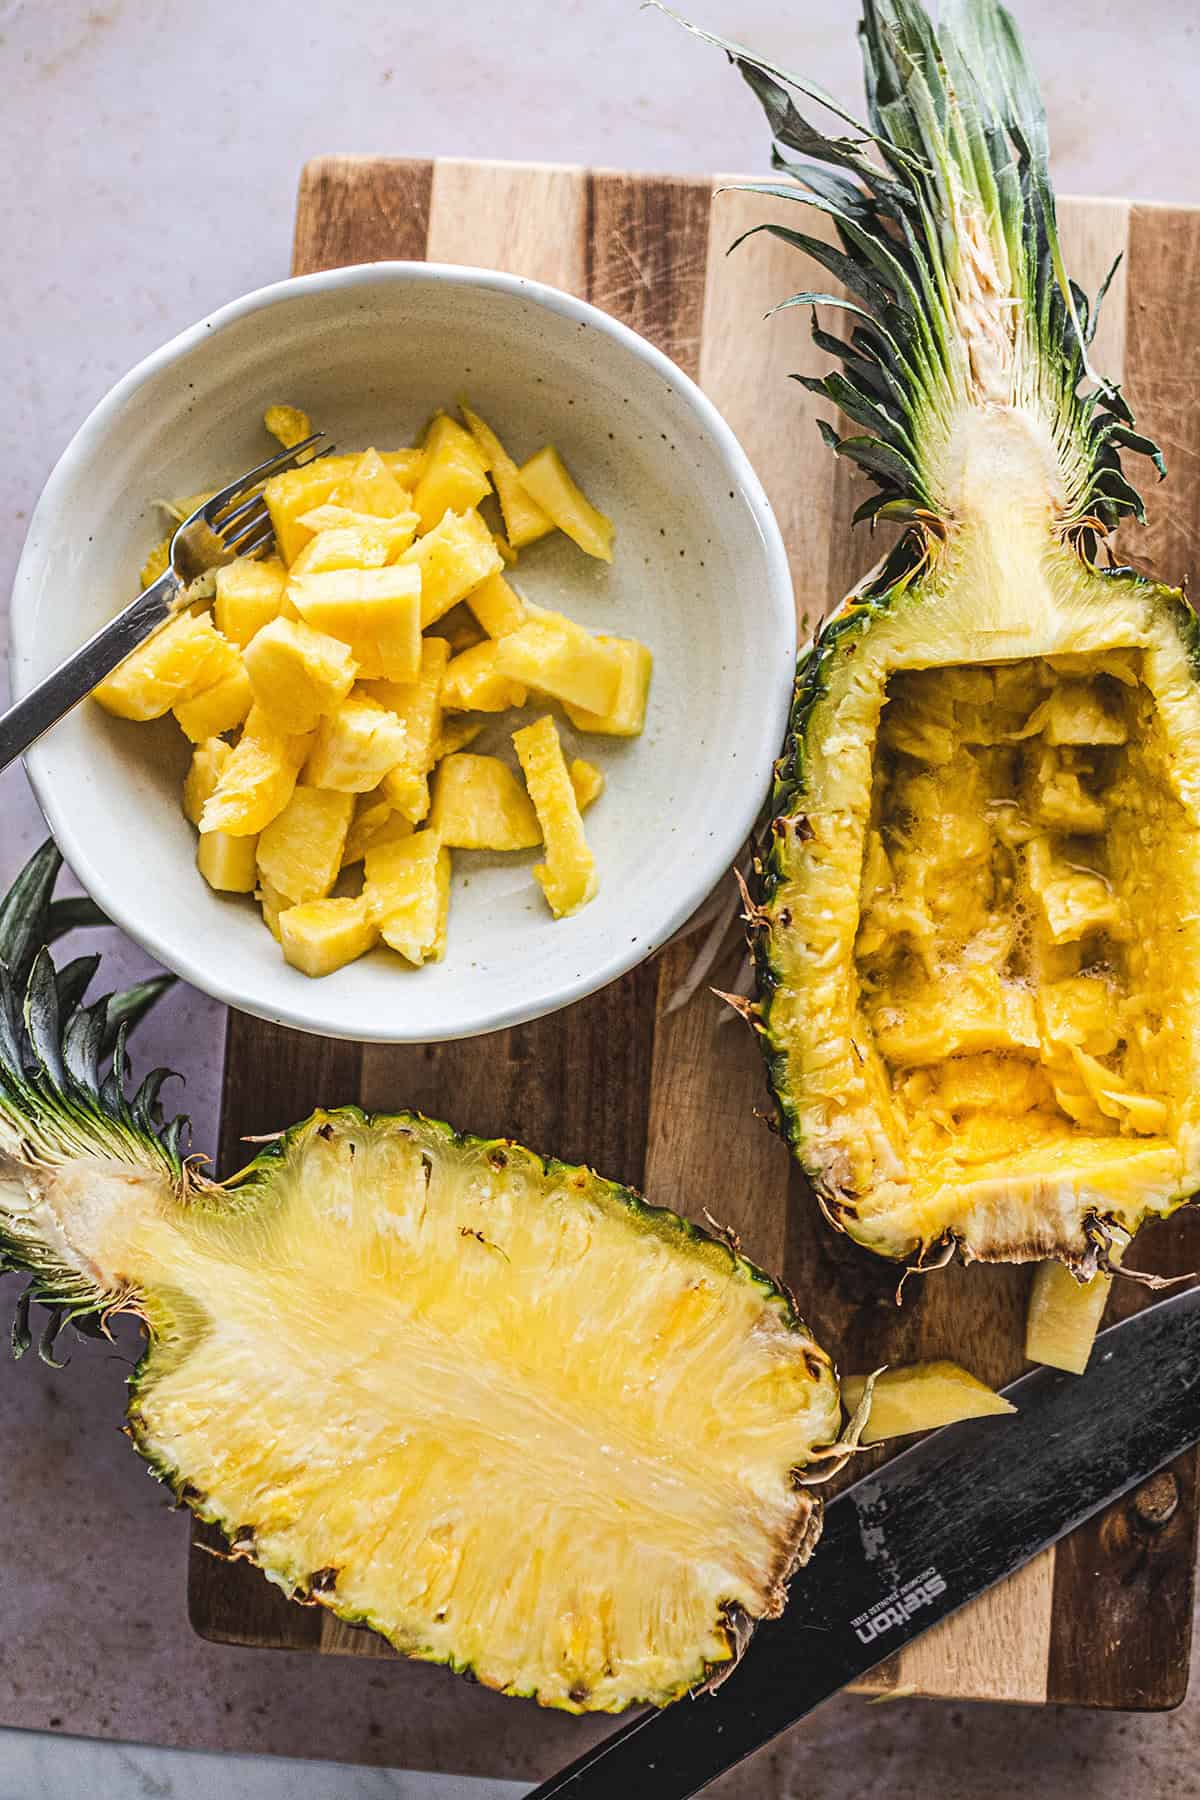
column 74, row 679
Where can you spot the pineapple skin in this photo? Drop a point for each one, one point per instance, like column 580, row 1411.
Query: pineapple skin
column 1086, row 1236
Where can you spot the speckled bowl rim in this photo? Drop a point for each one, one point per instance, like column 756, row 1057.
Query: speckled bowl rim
column 713, row 857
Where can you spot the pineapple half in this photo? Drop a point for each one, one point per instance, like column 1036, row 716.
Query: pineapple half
column 975, row 927
column 495, row 1407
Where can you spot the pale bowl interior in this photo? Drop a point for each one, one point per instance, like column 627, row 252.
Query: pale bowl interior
column 699, row 574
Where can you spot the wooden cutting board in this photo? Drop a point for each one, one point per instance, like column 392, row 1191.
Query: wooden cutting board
column 664, row 1098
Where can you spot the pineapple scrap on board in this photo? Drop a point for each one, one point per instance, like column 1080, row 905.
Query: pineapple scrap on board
column 329, row 691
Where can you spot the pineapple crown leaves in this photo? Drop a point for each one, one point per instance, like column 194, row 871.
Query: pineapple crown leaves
column 63, row 1074
column 947, row 249
column 63, row 1066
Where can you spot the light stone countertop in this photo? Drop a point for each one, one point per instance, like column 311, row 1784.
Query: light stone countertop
column 146, row 183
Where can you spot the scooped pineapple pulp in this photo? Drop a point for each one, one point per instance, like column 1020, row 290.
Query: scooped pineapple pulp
column 975, row 928
column 494, row 1406
column 328, row 691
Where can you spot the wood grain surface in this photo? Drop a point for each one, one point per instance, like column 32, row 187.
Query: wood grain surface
column 662, row 1094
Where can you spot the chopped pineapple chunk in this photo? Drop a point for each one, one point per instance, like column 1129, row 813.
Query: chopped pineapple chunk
column 298, row 673
column 288, row 424
column 498, row 607
column 320, row 936
column 372, row 488
column 375, row 822
column 319, row 655
column 524, row 519
column 300, row 851
column 568, row 876
column 418, row 706
column 377, row 612
column 405, row 465
column 356, row 541
column 1074, row 713
column 455, row 735
column 407, row 892
column 1073, row 900
column 208, row 759
column 921, row 1397
column 227, row 863
column 249, row 595
column 474, row 682
column 588, row 782
column 478, row 804
column 1064, row 1317
column 272, row 903
column 356, row 746
column 290, row 495
column 257, row 779
column 453, row 558
column 218, row 708
column 185, row 656
column 557, row 657
column 547, row 482
column 453, row 480
column 443, row 430
column 626, row 717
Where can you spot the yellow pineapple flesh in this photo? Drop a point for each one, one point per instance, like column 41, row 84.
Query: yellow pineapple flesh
column 249, row 595
column 452, row 559
column 524, row 519
column 497, row 606
column 475, row 682
column 227, row 863
column 298, row 673
column 348, row 540
column 288, row 425
column 321, row 936
column 587, row 780
column 216, row 709
column 921, row 1397
column 185, row 656
column 257, row 779
column 559, row 658
column 296, row 492
column 356, row 746
column 1064, row 1316
column 452, row 481
column 568, row 876
column 407, row 893
column 375, row 822
column 300, row 851
column 371, row 488
column 626, row 717
column 204, row 770
column 478, row 804
column 456, row 734
column 418, row 706
column 375, row 611
column 547, row 481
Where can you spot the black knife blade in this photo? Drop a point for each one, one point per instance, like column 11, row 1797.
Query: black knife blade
column 911, row 1543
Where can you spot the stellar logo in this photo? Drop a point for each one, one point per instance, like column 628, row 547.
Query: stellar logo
column 899, row 1606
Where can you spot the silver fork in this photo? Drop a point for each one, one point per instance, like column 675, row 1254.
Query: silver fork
column 234, row 522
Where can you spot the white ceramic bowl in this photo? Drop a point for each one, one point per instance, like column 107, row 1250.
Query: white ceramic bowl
column 700, row 574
